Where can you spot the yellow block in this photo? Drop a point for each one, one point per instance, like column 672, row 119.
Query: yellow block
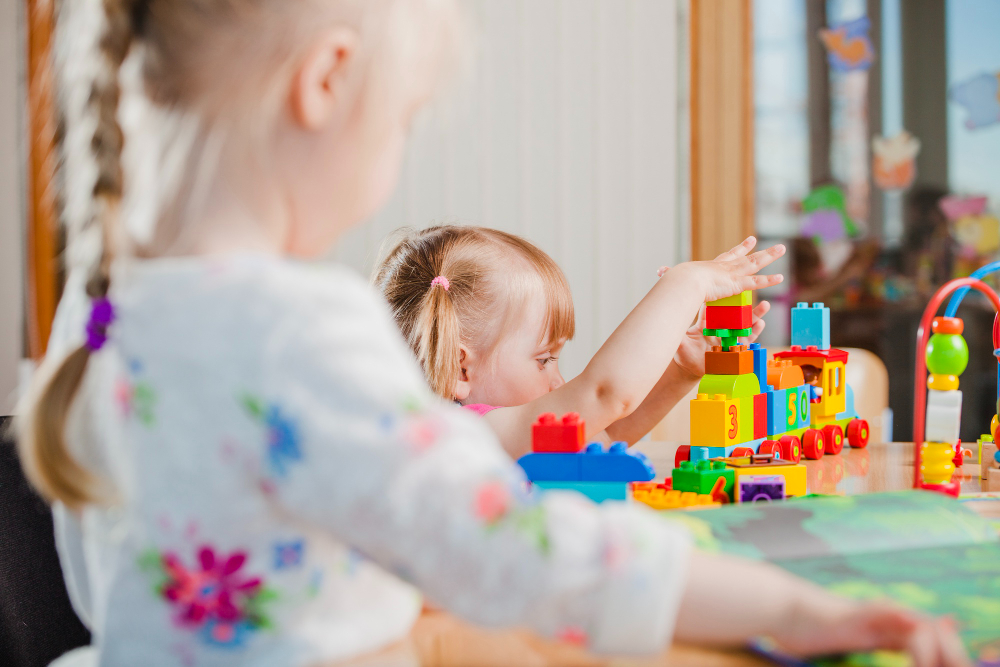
column 794, row 474
column 663, row 499
column 741, row 299
column 715, row 421
column 834, row 385
column 936, row 462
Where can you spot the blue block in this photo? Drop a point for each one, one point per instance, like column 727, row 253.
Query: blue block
column 777, row 402
column 811, row 325
column 553, row 467
column 617, row 464
column 759, row 362
column 596, row 491
column 849, row 411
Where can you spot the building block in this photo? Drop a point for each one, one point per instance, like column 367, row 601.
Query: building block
column 745, row 423
column 549, row 434
column 757, row 488
column 735, row 361
column 811, row 355
column 834, row 385
column 759, row 363
column 798, row 408
column 728, row 317
column 794, row 473
column 741, row 299
column 777, row 410
column 811, row 325
column 944, row 416
column 617, row 464
column 714, row 421
column 733, row 386
column 993, row 480
column 700, row 477
column 782, row 374
column 707, row 453
column 596, row 491
column 760, row 416
column 551, row 467
column 726, row 333
column 660, row 498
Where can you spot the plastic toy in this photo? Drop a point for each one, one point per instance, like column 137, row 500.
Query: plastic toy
column 848, row 46
column 661, row 497
column 797, row 404
column 894, row 161
column 559, row 461
column 794, row 474
column 757, row 488
column 701, row 477
column 937, row 411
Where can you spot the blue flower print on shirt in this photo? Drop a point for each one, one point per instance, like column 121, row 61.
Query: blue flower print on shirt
column 289, row 555
column 283, row 441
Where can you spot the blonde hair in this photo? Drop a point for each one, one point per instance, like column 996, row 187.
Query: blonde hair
column 489, row 276
column 170, row 63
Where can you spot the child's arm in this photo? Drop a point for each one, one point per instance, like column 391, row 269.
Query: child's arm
column 635, row 357
column 681, row 376
column 729, row 601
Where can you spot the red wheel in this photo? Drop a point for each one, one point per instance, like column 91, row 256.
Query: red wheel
column 857, row 433
column 833, row 435
column 770, row 447
column 791, row 448
column 740, row 452
column 812, row 444
column 683, row 454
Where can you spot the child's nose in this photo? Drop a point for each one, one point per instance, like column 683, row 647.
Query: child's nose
column 557, row 382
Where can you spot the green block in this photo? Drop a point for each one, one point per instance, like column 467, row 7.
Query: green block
column 741, row 299
column 700, row 477
column 733, row 386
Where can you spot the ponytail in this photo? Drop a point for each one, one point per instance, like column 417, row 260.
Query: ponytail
column 45, row 456
column 437, row 336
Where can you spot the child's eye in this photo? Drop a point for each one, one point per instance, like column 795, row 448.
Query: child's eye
column 542, row 363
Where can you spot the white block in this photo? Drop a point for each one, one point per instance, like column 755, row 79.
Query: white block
column 944, row 415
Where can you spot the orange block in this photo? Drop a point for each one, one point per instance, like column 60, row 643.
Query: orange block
column 783, row 374
column 738, row 360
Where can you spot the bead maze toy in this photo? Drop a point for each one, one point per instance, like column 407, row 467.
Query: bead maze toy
column 937, row 412
column 797, row 404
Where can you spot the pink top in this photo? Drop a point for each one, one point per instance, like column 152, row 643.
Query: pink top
column 480, row 408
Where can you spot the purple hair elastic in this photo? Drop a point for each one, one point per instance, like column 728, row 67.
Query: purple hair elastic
column 102, row 314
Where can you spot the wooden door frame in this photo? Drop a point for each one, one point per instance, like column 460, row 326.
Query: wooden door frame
column 722, row 125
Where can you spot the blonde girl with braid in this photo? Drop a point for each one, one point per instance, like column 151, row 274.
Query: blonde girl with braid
column 246, row 465
column 487, row 314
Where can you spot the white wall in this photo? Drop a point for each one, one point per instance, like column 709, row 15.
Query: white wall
column 11, row 200
column 566, row 134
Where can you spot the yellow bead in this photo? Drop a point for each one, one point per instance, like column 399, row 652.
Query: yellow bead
column 942, row 382
column 993, row 428
column 937, row 463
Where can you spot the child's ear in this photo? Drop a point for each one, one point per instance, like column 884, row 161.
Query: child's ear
column 464, row 387
column 320, row 83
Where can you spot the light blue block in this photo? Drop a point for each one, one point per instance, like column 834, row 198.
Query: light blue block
column 705, row 453
column 777, row 406
column 811, row 325
column 596, row 491
column 849, row 411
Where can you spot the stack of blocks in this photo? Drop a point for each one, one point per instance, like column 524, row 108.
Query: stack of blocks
column 729, row 318
column 558, row 460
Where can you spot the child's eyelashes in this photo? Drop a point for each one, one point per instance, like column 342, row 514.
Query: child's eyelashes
column 545, row 361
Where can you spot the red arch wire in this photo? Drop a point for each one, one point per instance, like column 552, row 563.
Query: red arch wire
column 923, row 334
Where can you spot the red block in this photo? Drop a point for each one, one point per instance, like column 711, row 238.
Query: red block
column 728, row 317
column 759, row 416
column 565, row 435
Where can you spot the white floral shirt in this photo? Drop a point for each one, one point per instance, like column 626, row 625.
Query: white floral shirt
column 286, row 483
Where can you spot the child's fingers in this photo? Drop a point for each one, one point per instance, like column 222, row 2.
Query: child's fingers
column 758, row 282
column 739, row 251
column 755, row 330
column 953, row 652
column 762, row 258
column 761, row 309
column 662, row 270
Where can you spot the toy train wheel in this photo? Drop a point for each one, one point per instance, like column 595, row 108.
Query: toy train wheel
column 813, row 446
column 858, row 433
column 833, row 435
column 740, row 452
column 683, row 453
column 770, row 447
column 791, row 448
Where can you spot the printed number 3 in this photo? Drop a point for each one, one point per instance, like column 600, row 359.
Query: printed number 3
column 732, row 422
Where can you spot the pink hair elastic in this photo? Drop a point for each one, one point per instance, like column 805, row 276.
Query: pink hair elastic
column 441, row 281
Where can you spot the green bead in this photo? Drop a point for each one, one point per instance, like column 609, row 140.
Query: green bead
column 947, row 354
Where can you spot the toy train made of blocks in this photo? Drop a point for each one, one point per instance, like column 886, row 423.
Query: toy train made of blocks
column 797, row 404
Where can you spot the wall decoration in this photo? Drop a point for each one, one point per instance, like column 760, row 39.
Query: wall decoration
column 825, row 215
column 894, row 160
column 980, row 96
column 976, row 231
column 848, row 47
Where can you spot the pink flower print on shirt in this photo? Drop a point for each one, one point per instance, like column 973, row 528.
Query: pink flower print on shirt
column 216, row 598
column 136, row 399
column 492, row 501
column 572, row 635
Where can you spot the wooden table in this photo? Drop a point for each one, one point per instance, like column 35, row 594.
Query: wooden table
column 440, row 640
